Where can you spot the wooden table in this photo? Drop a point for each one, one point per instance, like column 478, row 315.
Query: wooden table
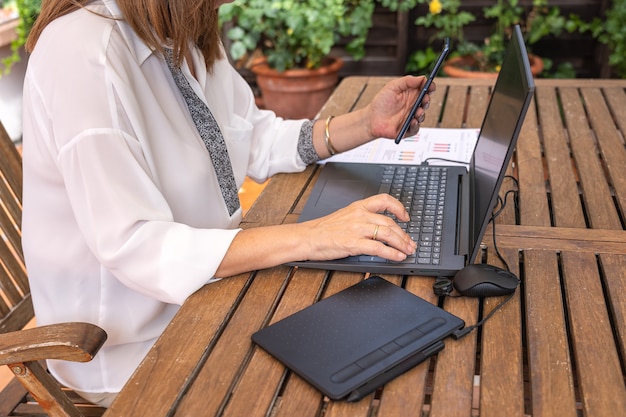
column 558, row 348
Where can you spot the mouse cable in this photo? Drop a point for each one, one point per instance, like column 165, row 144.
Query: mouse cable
column 502, row 203
column 454, row 161
column 467, row 330
column 443, row 286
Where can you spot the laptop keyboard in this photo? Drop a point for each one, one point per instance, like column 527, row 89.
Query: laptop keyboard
column 422, row 190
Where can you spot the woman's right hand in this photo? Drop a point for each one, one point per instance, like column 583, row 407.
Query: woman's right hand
column 360, row 229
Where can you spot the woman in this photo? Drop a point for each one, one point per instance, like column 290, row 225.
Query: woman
column 126, row 211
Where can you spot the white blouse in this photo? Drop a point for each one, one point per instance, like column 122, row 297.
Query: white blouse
column 123, row 217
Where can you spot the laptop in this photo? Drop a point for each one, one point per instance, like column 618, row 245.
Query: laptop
column 457, row 207
column 351, row 343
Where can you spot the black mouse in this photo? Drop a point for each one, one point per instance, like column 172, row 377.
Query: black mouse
column 483, row 280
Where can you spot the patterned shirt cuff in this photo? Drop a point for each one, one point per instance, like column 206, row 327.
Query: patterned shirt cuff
column 305, row 143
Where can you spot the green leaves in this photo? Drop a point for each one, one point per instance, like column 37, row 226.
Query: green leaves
column 297, row 33
column 449, row 20
column 611, row 31
column 28, row 10
column 538, row 20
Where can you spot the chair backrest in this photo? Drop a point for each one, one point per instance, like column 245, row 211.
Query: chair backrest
column 23, row 349
column 16, row 308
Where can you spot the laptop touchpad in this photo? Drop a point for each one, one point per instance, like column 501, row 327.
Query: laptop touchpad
column 339, row 193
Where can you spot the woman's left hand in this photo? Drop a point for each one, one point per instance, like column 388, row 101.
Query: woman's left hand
column 390, row 107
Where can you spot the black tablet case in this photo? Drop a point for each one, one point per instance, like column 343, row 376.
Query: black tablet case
column 352, row 342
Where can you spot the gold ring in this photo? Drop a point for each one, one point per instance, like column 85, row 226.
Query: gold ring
column 375, row 232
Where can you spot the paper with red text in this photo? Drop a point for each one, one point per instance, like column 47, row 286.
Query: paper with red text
column 437, row 146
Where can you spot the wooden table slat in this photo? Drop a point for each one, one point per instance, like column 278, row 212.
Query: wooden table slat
column 602, row 393
column 596, row 191
column 148, row 394
column 230, row 352
column 477, row 103
column 550, row 368
column 272, row 206
column 435, row 108
column 501, row 353
column 342, row 101
column 614, row 281
column 571, row 239
column 565, row 200
column 373, row 86
column 299, row 399
column 454, row 111
column 297, row 209
column 616, row 99
column 610, row 141
column 455, row 365
column 533, row 211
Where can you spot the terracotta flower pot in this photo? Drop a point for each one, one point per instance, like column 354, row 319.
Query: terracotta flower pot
column 297, row 93
column 460, row 67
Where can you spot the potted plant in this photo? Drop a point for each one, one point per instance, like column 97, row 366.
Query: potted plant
column 278, row 39
column 292, row 40
column 483, row 60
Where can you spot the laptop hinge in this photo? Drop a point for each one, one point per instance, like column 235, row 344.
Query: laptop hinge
column 463, row 216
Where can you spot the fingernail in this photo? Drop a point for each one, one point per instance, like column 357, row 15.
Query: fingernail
column 422, row 118
column 426, row 106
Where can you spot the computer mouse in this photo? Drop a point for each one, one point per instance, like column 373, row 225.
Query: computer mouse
column 483, row 280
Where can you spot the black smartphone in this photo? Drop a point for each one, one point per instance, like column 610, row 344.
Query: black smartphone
column 429, row 81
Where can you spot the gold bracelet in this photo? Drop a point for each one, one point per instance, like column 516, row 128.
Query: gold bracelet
column 331, row 150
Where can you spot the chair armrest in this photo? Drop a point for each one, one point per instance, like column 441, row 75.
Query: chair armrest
column 77, row 342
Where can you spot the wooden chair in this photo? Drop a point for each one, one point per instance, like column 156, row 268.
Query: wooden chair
column 22, row 349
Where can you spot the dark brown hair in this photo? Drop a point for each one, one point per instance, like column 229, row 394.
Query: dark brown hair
column 157, row 22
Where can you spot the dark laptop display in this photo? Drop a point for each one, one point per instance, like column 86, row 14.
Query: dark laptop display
column 450, row 219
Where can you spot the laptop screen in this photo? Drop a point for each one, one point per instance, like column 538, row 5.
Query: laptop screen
column 511, row 97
